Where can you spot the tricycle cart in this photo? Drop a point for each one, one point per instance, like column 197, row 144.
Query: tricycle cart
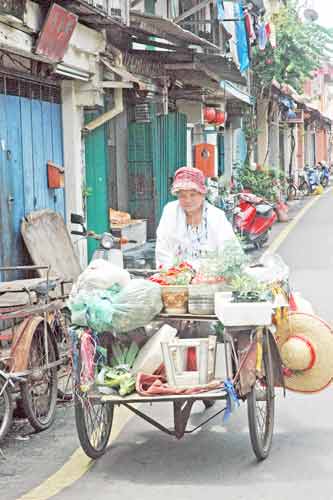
column 253, row 369
column 29, row 349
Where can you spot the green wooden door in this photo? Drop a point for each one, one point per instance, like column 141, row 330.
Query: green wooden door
column 96, row 181
column 156, row 150
column 169, row 153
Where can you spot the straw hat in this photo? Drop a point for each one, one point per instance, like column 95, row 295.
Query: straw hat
column 306, row 348
column 189, row 178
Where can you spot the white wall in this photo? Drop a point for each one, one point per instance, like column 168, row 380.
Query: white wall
column 73, row 156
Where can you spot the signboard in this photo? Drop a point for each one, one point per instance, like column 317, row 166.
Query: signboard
column 14, row 8
column 56, row 33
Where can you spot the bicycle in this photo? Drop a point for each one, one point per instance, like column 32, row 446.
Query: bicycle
column 293, row 189
column 29, row 355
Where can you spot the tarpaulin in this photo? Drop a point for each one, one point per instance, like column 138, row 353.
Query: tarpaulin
column 242, row 44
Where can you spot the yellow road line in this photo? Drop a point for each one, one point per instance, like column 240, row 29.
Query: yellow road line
column 78, row 464
column 277, row 242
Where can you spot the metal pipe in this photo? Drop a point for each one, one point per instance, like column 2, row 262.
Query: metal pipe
column 105, row 117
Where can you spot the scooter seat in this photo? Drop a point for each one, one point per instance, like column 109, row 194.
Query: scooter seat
column 263, row 209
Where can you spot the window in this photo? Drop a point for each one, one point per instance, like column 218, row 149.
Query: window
column 150, row 6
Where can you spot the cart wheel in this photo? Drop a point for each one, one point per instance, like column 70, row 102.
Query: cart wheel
column 260, row 407
column 39, row 393
column 6, row 408
column 93, row 422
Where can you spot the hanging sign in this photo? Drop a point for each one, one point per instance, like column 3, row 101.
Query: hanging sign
column 54, row 38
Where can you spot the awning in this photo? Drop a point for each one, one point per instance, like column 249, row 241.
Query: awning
column 237, row 93
column 214, row 67
column 168, row 30
column 124, row 74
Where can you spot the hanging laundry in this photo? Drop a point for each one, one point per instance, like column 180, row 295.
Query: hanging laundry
column 242, row 44
column 272, row 37
column 220, row 10
column 262, row 36
column 268, row 30
column 249, row 25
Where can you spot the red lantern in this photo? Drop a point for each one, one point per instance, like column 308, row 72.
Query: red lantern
column 209, row 115
column 219, row 117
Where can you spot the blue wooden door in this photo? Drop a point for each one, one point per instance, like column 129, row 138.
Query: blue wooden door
column 30, row 136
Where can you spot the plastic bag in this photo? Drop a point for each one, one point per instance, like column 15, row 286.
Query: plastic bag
column 101, row 274
column 271, row 269
column 117, row 309
column 136, row 305
column 93, row 308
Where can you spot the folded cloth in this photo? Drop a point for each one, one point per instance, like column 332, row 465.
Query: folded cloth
column 156, row 385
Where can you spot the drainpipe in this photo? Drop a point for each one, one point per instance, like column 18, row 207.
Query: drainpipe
column 105, row 117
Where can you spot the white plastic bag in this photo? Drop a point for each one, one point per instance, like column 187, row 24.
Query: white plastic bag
column 101, row 274
column 272, row 268
column 136, row 305
column 150, row 356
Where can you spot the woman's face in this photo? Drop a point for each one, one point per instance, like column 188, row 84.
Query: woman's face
column 190, row 200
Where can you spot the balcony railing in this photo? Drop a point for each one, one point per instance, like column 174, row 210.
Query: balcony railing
column 112, row 8
column 202, row 19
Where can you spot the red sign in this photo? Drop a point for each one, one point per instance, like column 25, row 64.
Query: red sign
column 56, row 33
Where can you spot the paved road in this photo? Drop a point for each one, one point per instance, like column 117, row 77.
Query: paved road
column 217, row 461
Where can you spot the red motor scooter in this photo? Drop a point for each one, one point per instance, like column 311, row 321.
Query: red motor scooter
column 253, row 219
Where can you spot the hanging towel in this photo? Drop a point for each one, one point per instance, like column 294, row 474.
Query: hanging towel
column 262, row 36
column 249, row 26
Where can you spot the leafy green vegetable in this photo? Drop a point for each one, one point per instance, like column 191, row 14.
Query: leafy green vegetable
column 119, row 378
column 248, row 289
column 124, row 355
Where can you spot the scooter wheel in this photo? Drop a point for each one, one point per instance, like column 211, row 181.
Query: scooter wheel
column 261, row 241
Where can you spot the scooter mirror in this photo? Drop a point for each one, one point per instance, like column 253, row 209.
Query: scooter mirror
column 77, row 219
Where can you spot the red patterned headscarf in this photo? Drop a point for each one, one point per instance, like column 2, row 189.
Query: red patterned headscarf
column 189, row 178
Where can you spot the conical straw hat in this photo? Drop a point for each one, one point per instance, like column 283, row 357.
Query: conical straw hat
column 306, row 347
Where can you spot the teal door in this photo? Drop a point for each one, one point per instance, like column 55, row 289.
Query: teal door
column 96, row 191
column 156, row 150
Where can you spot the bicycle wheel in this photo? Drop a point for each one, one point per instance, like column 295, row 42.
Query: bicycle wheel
column 260, row 407
column 6, row 408
column 291, row 192
column 60, row 326
column 39, row 393
column 93, row 423
column 304, row 189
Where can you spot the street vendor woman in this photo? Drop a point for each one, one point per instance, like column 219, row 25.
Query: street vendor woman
column 190, row 226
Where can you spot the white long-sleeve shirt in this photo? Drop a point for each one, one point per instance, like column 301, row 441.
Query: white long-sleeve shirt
column 176, row 241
